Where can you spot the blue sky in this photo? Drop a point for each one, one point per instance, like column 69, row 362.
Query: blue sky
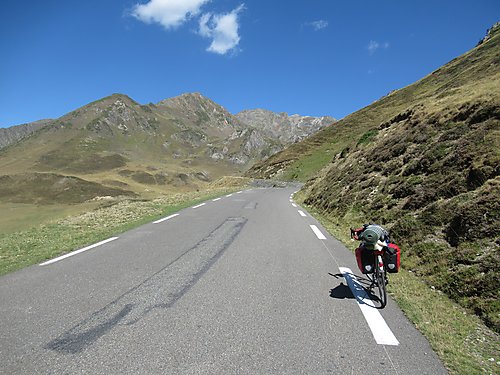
column 312, row 57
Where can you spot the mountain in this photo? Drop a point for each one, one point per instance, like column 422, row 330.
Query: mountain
column 212, row 126
column 117, row 143
column 14, row 134
column 424, row 161
column 281, row 126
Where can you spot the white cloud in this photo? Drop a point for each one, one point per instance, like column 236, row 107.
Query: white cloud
column 169, row 13
column 204, row 29
column 223, row 29
column 373, row 46
column 318, row 25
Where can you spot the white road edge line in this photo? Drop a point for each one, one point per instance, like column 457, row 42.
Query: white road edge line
column 216, row 199
column 294, row 205
column 77, row 251
column 165, row 218
column 229, row 195
column 199, row 205
column 317, row 232
column 380, row 330
column 301, row 213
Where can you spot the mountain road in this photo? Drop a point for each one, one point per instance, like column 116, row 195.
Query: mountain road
column 248, row 283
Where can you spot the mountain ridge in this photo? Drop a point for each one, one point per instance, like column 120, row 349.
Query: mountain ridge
column 280, row 125
column 178, row 143
column 184, row 104
column 16, row 133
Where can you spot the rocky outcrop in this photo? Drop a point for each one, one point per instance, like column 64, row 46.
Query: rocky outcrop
column 489, row 33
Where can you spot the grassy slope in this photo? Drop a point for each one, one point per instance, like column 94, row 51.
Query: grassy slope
column 423, row 161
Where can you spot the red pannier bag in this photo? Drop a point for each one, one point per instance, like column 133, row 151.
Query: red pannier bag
column 392, row 258
column 364, row 257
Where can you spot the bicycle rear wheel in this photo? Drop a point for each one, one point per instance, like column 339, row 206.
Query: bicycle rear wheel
column 380, row 290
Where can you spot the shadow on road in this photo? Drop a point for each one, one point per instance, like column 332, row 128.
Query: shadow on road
column 363, row 290
column 341, row 291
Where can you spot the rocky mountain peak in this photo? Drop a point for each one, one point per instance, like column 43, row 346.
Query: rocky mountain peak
column 287, row 129
column 202, row 111
column 99, row 106
column 191, row 101
column 113, row 114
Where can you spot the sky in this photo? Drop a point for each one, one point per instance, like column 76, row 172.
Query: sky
column 310, row 57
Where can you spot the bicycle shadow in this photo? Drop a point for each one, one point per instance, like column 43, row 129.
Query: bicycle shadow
column 358, row 288
column 341, row 291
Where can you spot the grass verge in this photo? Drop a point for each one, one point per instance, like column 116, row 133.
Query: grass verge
column 461, row 340
column 37, row 244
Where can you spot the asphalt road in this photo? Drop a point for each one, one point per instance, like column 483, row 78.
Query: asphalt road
column 238, row 285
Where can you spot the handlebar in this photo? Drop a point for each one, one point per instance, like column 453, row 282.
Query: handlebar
column 353, row 234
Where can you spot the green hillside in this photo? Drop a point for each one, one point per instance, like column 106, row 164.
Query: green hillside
column 425, row 162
